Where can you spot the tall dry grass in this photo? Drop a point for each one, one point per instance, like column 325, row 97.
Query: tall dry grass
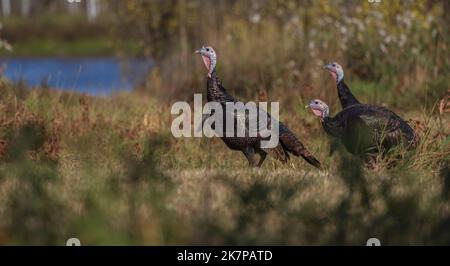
column 108, row 171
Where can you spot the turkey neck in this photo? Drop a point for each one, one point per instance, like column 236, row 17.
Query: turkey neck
column 345, row 95
column 332, row 126
column 215, row 92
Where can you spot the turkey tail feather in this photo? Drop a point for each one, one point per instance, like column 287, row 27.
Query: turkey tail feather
column 300, row 150
column 311, row 159
column 293, row 145
column 278, row 153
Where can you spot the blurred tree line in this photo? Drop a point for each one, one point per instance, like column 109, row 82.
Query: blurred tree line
column 279, row 46
column 27, row 8
column 273, row 43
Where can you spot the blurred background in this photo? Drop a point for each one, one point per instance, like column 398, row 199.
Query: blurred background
column 92, row 45
column 107, row 170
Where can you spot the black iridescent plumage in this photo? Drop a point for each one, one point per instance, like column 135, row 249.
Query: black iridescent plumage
column 346, row 97
column 364, row 128
column 250, row 145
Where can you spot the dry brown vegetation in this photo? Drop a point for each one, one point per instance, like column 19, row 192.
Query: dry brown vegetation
column 108, row 171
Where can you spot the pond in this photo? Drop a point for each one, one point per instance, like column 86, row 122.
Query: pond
column 96, row 76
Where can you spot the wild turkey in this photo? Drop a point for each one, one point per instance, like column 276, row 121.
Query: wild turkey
column 345, row 95
column 364, row 128
column 288, row 143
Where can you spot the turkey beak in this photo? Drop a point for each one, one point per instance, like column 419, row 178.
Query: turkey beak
column 199, row 51
column 309, row 104
column 327, row 67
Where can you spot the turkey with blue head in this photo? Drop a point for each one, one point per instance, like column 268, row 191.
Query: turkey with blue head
column 288, row 142
column 346, row 97
column 363, row 128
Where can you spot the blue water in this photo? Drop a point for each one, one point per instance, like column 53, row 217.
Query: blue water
column 96, row 76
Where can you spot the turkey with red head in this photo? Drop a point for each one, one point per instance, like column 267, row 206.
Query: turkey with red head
column 288, row 142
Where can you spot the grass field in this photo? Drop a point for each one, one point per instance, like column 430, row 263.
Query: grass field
column 108, row 171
